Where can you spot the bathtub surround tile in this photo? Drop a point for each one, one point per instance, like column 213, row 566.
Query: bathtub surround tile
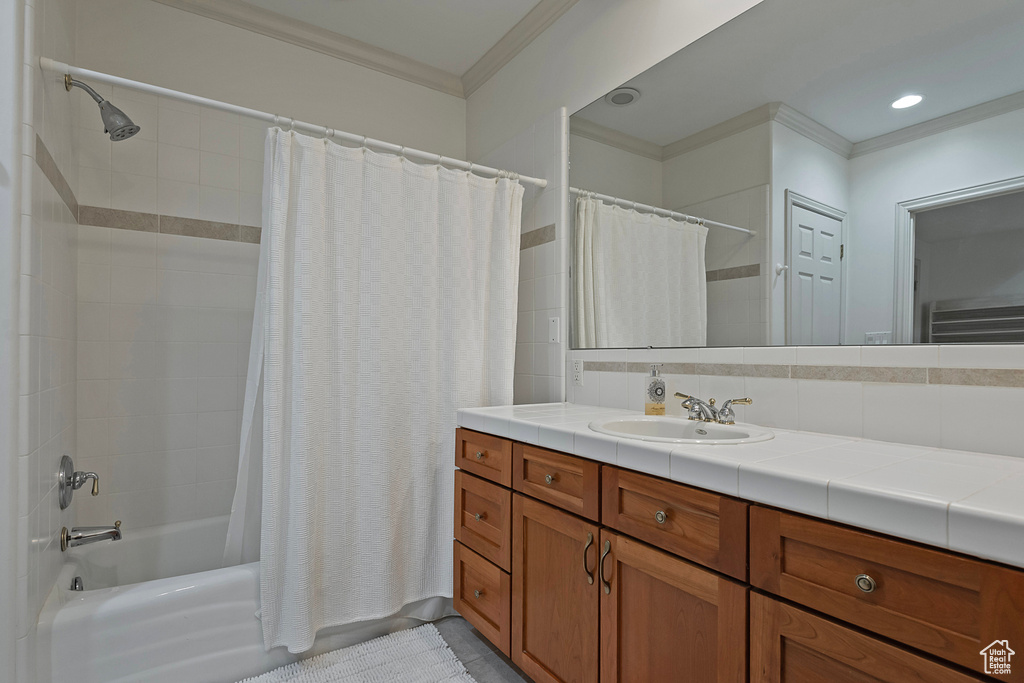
column 536, row 238
column 981, row 377
column 734, row 273
column 117, row 218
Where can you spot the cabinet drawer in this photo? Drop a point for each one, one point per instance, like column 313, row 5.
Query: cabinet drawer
column 944, row 604
column 483, row 518
column 699, row 525
column 483, row 595
column 565, row 481
column 484, row 455
column 789, row 645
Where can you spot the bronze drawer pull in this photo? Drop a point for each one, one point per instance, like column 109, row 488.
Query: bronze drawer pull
column 604, row 581
column 865, row 583
column 480, row 516
column 480, row 455
column 477, row 594
column 660, row 516
column 549, row 479
column 590, row 542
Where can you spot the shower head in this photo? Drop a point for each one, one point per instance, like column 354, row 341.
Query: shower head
column 115, row 122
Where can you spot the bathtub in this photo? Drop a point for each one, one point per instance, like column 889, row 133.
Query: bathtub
column 157, row 607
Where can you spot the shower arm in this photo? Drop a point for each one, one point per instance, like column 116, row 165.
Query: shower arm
column 70, row 83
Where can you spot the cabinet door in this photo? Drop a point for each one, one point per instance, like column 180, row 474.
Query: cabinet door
column 555, row 593
column 789, row 645
column 665, row 619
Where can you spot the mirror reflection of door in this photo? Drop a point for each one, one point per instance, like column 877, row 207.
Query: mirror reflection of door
column 970, row 285
column 815, row 274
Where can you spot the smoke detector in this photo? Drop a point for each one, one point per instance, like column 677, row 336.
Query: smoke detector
column 620, row 97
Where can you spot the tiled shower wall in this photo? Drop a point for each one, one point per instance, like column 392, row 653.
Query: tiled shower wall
column 962, row 397
column 164, row 323
column 541, row 151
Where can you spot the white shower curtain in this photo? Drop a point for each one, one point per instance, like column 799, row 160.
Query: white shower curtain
column 387, row 300
column 639, row 278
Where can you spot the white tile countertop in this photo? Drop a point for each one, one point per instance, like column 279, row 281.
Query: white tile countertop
column 967, row 502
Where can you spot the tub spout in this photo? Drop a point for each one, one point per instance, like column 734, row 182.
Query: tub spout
column 83, row 535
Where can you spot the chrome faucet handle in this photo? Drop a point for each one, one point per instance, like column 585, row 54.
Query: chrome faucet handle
column 726, row 415
column 78, row 480
column 698, row 409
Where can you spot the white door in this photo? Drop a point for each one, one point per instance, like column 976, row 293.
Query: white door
column 815, row 277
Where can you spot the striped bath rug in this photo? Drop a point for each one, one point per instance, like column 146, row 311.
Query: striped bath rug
column 418, row 655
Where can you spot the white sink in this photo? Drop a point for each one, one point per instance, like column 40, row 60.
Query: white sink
column 680, row 430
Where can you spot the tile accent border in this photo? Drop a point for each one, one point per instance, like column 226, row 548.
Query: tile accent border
column 734, row 273
column 535, row 238
column 976, row 377
column 147, row 222
column 46, row 164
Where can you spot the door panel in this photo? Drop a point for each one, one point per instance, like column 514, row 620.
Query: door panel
column 815, row 278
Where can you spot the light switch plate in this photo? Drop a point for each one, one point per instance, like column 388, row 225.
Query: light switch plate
column 554, row 332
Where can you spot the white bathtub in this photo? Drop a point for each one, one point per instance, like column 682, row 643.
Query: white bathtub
column 155, row 608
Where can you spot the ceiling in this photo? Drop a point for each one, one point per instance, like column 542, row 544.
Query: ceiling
column 840, row 62
column 964, row 221
column 451, row 35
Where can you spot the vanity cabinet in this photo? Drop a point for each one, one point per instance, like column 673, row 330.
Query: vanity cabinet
column 586, row 572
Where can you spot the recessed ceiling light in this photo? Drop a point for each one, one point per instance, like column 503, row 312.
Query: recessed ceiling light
column 906, row 101
column 620, row 97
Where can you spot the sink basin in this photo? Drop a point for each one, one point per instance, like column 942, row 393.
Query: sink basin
column 680, row 430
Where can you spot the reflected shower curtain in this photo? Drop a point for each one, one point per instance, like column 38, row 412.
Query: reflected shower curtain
column 639, row 278
column 387, row 300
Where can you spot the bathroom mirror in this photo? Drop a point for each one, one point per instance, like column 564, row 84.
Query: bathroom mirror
column 833, row 212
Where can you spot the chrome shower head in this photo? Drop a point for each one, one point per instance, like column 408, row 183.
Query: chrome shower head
column 115, row 122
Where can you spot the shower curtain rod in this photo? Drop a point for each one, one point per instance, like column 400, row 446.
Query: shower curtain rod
column 661, row 212
column 313, row 129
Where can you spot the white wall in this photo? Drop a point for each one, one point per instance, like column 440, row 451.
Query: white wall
column 805, row 167
column 154, row 43
column 979, row 153
column 594, row 47
column 609, row 170
column 734, row 163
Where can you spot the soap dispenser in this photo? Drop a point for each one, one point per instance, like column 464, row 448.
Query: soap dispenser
column 655, row 402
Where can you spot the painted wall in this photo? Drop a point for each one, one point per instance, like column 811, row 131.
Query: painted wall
column 805, row 167
column 150, row 42
column 981, row 266
column 609, row 170
column 594, row 47
column 979, row 153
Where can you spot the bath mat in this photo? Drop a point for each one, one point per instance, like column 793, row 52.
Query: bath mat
column 418, row 655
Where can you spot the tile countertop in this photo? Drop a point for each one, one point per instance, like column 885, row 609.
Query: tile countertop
column 967, row 502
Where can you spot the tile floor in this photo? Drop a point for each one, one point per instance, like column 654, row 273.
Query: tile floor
column 482, row 660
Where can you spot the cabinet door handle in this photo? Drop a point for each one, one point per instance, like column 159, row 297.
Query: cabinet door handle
column 480, row 455
column 660, row 516
column 604, row 581
column 590, row 542
column 480, row 516
column 865, row 583
column 549, row 479
column 477, row 594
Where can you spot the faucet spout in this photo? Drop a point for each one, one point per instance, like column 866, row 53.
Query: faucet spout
column 84, row 535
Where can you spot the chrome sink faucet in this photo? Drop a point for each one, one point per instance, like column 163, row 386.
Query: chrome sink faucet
column 706, row 411
column 84, row 535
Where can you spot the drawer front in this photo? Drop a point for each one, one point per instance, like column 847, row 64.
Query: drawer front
column 789, row 645
column 565, row 481
column 483, row 595
column 484, row 455
column 483, row 518
column 938, row 602
column 699, row 525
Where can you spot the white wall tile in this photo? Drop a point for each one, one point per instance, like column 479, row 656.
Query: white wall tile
column 831, row 407
column 904, row 413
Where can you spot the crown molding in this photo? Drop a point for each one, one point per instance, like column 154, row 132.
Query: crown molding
column 736, row 124
column 811, row 129
column 979, row 112
column 609, row 136
column 544, row 13
column 273, row 25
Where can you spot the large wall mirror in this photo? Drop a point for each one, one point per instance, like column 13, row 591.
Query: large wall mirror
column 812, row 172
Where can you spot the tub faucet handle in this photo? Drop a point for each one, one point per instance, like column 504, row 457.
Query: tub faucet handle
column 79, row 479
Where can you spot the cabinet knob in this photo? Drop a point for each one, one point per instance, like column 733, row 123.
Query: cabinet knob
column 660, row 516
column 480, row 516
column 477, row 594
column 865, row 583
column 479, row 455
column 548, row 478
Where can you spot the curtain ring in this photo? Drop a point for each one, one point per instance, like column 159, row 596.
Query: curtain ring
column 471, row 167
column 328, row 134
column 363, row 143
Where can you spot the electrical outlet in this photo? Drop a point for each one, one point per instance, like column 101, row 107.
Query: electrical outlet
column 577, row 373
